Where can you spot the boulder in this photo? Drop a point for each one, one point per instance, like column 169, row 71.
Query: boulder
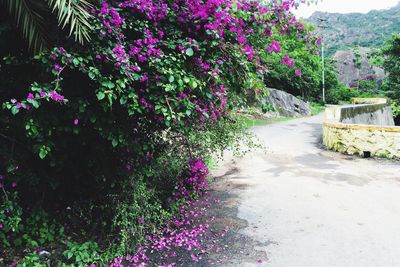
column 287, row 105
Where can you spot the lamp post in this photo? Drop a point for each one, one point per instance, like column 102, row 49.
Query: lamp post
column 322, row 26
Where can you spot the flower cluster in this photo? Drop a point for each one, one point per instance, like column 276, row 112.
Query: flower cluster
column 193, row 180
column 286, row 60
column 275, row 47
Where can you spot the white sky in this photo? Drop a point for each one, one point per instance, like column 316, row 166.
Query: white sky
column 344, row 6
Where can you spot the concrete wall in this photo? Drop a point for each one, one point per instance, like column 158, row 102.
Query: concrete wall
column 370, row 114
column 364, row 130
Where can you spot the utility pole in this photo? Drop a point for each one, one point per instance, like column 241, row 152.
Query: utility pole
column 322, row 26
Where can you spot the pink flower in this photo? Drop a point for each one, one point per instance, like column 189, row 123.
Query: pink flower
column 286, row 60
column 1, row 226
column 298, row 72
column 14, row 184
column 31, row 96
column 76, row 121
column 275, row 47
column 57, row 67
column 259, row 261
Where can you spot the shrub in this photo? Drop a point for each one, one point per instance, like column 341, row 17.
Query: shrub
column 105, row 132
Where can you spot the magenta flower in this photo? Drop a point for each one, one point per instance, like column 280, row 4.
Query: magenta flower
column 14, row 184
column 1, row 226
column 31, row 96
column 286, row 60
column 298, row 72
column 76, row 121
column 57, row 67
column 275, row 47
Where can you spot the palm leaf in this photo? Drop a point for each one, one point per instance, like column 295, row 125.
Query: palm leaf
column 27, row 14
column 74, row 13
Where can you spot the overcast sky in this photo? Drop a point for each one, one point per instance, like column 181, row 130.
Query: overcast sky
column 344, row 6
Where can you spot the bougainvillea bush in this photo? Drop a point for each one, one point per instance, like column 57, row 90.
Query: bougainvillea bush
column 106, row 137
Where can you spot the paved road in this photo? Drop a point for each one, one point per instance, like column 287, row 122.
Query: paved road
column 304, row 206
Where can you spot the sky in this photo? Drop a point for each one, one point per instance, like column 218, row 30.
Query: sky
column 344, row 6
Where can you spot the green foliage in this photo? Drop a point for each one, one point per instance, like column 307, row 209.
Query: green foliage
column 76, row 15
column 282, row 77
column 98, row 136
column 10, row 218
column 30, row 16
column 82, row 255
column 316, row 108
column 140, row 210
column 391, row 52
column 395, row 108
column 368, row 86
column 375, row 58
column 357, row 59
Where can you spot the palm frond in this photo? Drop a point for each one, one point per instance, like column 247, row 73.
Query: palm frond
column 27, row 14
column 75, row 14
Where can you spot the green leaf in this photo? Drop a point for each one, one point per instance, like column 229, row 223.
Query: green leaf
column 189, row 52
column 171, row 79
column 123, row 100
column 14, row 110
column 114, row 142
column 75, row 14
column 92, row 75
column 108, row 84
column 28, row 17
column 100, row 95
column 193, row 84
column 43, row 152
column 76, row 62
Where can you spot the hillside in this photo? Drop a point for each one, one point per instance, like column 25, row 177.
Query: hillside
column 357, row 30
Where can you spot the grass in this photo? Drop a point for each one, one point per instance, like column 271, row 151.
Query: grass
column 316, row 108
column 251, row 122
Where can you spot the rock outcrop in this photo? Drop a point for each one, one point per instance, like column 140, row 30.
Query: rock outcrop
column 287, row 105
column 354, row 65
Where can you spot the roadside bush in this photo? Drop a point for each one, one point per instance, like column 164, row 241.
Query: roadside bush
column 100, row 137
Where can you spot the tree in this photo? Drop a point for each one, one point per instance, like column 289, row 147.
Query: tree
column 29, row 15
column 391, row 52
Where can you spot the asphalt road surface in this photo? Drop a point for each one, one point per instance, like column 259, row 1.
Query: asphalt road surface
column 303, row 206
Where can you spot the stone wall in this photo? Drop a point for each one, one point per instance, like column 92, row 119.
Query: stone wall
column 363, row 140
column 364, row 130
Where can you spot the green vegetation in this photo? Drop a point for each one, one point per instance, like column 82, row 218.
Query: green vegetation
column 103, row 146
column 391, row 84
column 391, row 52
column 355, row 29
column 251, row 122
column 317, row 108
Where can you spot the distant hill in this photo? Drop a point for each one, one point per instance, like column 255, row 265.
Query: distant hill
column 345, row 31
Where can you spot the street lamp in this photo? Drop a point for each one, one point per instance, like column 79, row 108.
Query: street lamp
column 322, row 26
